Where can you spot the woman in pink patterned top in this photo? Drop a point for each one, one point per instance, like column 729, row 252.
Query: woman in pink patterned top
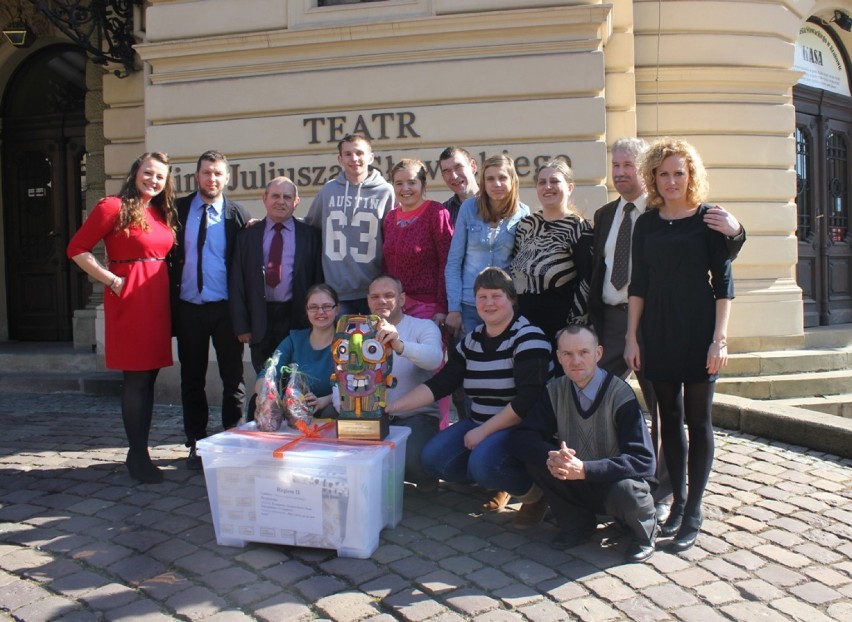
column 417, row 234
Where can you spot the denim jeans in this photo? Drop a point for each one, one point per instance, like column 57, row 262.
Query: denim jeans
column 470, row 317
column 423, row 428
column 489, row 464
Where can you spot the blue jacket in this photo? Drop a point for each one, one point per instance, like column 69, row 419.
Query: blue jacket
column 471, row 251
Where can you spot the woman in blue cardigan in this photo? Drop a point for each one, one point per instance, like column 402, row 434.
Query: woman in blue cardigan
column 311, row 348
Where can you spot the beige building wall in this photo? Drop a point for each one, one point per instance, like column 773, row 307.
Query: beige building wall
column 725, row 84
column 417, row 76
column 536, row 78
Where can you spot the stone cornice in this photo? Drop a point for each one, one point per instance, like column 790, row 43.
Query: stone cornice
column 741, row 84
column 523, row 32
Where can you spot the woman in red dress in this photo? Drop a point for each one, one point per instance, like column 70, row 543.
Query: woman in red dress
column 138, row 230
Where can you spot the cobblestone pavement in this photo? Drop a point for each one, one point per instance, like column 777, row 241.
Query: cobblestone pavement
column 79, row 541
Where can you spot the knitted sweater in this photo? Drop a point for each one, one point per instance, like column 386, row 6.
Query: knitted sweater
column 611, row 437
column 510, row 368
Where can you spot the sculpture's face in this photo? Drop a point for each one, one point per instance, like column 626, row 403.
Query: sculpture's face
column 360, row 359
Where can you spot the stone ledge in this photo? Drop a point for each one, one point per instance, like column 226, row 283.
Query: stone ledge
column 811, row 429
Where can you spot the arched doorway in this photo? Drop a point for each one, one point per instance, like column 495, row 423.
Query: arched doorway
column 43, row 171
column 824, row 172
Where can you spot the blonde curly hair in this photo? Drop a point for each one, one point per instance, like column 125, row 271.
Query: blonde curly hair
column 698, row 187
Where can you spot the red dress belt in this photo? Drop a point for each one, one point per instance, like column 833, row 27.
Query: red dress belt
column 137, row 259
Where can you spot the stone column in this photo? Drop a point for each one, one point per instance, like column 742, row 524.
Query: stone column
column 725, row 85
column 84, row 319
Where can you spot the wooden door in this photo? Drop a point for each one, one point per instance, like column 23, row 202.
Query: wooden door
column 823, row 140
column 43, row 145
column 42, row 208
column 836, row 208
column 808, row 231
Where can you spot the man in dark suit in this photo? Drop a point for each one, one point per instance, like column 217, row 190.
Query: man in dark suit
column 608, row 294
column 209, row 223
column 268, row 294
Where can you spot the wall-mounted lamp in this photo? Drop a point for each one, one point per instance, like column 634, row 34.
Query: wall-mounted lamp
column 843, row 20
column 19, row 34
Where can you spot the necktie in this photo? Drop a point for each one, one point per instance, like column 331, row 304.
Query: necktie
column 202, row 235
column 621, row 259
column 276, row 249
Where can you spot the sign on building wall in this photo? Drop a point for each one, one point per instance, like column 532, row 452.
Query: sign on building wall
column 819, row 57
column 310, row 172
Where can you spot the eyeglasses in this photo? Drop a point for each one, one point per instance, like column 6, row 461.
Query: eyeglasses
column 326, row 308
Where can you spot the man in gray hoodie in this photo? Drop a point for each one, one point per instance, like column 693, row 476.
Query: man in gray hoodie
column 349, row 211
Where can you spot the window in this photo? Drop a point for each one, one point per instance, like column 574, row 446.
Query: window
column 804, row 192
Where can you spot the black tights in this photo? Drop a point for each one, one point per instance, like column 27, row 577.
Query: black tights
column 698, row 453
column 137, row 407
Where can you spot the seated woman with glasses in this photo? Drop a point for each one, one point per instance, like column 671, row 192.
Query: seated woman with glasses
column 310, row 348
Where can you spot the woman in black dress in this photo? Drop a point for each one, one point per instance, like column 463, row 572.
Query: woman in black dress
column 683, row 315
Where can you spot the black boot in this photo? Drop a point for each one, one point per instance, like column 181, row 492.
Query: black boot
column 141, row 468
column 687, row 534
column 674, row 521
column 137, row 404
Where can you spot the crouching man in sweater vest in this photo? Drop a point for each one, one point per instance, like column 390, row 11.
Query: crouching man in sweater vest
column 587, row 447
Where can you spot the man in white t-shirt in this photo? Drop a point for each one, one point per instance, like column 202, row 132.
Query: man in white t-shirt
column 418, row 353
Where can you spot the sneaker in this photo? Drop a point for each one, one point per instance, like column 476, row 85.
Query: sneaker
column 193, row 461
column 530, row 514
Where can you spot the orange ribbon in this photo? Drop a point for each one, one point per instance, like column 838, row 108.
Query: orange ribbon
column 311, row 433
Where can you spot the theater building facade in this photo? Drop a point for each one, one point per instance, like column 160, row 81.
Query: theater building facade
column 761, row 87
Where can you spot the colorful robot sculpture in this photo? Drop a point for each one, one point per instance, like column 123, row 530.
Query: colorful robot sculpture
column 362, row 375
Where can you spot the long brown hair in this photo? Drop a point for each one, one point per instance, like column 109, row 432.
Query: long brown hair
column 487, row 209
column 132, row 212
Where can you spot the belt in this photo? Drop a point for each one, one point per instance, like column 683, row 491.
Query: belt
column 201, row 304
column 621, row 306
column 137, row 259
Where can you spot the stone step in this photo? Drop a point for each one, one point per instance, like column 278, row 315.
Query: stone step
column 90, row 383
column 788, row 362
column 789, row 424
column 837, row 336
column 46, row 357
column 838, row 405
column 784, row 386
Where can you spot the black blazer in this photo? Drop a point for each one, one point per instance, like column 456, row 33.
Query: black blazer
column 247, row 284
column 236, row 217
column 602, row 224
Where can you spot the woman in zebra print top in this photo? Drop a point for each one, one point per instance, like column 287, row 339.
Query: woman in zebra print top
column 552, row 263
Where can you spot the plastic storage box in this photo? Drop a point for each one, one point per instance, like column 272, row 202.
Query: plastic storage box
column 317, row 493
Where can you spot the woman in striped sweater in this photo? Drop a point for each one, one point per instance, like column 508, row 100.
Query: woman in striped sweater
column 503, row 365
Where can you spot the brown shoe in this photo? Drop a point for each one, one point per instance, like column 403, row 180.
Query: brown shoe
column 530, row 514
column 497, row 502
